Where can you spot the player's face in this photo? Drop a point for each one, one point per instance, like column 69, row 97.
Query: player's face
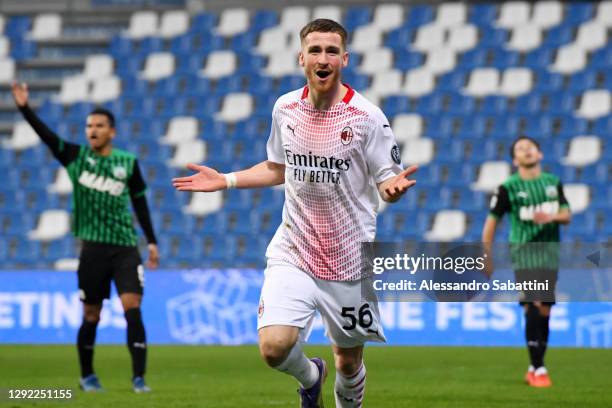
column 323, row 58
column 99, row 132
column 526, row 154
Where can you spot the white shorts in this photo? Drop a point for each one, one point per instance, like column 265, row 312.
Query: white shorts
column 290, row 297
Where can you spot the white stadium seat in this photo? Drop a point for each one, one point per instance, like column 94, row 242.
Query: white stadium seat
column 525, row 38
column 181, row 129
column 388, row 17
column 491, row 175
column 483, row 82
column 366, row 38
column 429, row 37
column 219, row 64
column 376, row 60
column 448, row 225
column 570, row 58
column 294, row 17
column 191, row 151
column 591, row 36
column 98, row 66
column 174, row 23
column 62, row 184
column 418, row 82
column 547, row 14
column 595, row 103
column 74, row 89
column 272, row 40
column 513, row 14
column 232, row 22
column 371, row 96
column 235, row 107
column 418, row 151
column 387, row 83
column 46, row 27
column 7, row 70
column 462, row 38
column 578, row 196
column 158, row 65
column 282, row 63
column 105, row 89
column 583, row 150
column 142, row 24
column 2, row 22
column 329, row 12
column 441, row 60
column 451, row 15
column 202, row 204
column 407, row 126
column 23, row 137
column 5, row 46
column 604, row 13
column 515, row 82
column 52, row 224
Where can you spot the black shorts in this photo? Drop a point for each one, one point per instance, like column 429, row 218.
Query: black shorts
column 101, row 263
column 546, row 295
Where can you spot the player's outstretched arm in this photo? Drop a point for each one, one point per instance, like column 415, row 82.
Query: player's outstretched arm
column 393, row 188
column 206, row 179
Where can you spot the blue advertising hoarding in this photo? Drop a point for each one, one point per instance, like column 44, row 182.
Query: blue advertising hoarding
column 220, row 307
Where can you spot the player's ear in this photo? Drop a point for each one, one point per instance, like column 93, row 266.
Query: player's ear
column 301, row 59
column 345, row 59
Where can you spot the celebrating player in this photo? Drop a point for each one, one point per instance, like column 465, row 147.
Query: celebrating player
column 104, row 178
column 335, row 153
column 537, row 206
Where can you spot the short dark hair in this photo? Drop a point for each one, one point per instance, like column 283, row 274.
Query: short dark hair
column 102, row 111
column 518, row 139
column 324, row 25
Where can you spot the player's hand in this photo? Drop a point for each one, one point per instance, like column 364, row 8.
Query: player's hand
column 396, row 186
column 20, row 94
column 540, row 218
column 206, row 180
column 153, row 260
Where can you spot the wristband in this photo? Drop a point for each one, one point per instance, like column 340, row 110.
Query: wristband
column 231, row 180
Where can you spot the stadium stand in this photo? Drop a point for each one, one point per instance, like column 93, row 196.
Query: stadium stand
column 458, row 82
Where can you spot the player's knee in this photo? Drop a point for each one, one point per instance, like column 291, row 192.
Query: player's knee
column 91, row 316
column 347, row 364
column 274, row 351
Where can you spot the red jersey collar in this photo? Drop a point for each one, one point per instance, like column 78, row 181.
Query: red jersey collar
column 347, row 98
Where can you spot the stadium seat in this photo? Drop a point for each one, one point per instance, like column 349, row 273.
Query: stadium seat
column 105, row 89
column 451, row 15
column 441, row 60
column 418, row 151
column 7, row 70
column 388, row 17
column 174, row 23
column 547, row 14
column 356, row 16
column 491, row 175
column 366, row 38
column 386, row 82
column 595, row 103
column 272, row 40
column 62, row 184
column 2, row 24
column 513, row 14
column 53, row 224
column 282, row 63
column 516, row 82
column 192, row 151
column 407, row 126
column 583, row 150
column 142, row 24
column 219, row 64
column 23, row 137
column 46, row 26
column 462, row 38
column 448, row 225
column 74, row 89
column 376, row 60
column 429, row 37
column 157, row 66
column 570, row 58
column 577, row 196
column 5, row 46
column 591, row 35
column 235, row 107
column 202, row 204
column 180, row 129
column 482, row 82
column 233, row 21
column 98, row 66
column 604, row 13
column 329, row 12
column 294, row 17
column 525, row 38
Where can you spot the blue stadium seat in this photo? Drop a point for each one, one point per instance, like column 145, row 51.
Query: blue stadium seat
column 406, row 60
column 264, row 19
column 419, row 15
column 357, row 16
column 483, row 15
column 203, row 22
column 577, row 13
column 400, row 38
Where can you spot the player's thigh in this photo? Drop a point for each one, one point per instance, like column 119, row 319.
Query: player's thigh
column 128, row 272
column 94, row 273
column 350, row 320
column 287, row 298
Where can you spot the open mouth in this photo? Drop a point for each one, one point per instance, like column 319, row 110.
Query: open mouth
column 323, row 74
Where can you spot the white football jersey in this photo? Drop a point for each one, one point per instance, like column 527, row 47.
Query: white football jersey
column 333, row 160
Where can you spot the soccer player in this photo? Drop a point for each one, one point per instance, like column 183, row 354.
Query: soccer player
column 104, row 180
column 537, row 206
column 335, row 153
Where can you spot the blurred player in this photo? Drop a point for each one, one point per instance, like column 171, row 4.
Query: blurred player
column 537, row 206
column 336, row 153
column 104, row 179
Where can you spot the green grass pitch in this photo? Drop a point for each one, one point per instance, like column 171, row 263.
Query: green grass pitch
column 213, row 376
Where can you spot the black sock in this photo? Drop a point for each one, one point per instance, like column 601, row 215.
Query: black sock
column 136, row 341
column 533, row 336
column 544, row 330
column 85, row 345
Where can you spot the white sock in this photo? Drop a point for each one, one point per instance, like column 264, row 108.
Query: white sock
column 300, row 367
column 349, row 390
column 531, row 369
column 541, row 371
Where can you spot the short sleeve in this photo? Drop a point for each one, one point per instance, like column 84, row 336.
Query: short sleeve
column 274, row 146
column 381, row 151
column 500, row 203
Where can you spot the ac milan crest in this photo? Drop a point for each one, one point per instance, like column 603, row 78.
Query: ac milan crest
column 346, row 136
column 260, row 309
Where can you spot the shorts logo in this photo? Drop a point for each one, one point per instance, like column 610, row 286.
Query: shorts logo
column 395, row 154
column 140, row 272
column 260, row 309
column 119, row 172
column 346, row 136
